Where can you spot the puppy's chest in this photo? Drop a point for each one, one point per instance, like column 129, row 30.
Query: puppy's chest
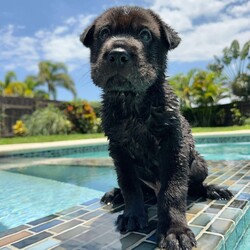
column 128, row 127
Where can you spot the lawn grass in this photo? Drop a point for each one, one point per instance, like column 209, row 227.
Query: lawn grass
column 48, row 138
column 51, row 138
column 220, row 129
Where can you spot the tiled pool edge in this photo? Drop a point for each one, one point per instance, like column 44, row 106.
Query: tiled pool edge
column 90, row 220
column 102, row 145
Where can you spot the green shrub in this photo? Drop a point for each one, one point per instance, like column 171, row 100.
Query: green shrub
column 81, row 115
column 220, row 117
column 47, row 121
column 98, row 126
column 237, row 117
column 247, row 121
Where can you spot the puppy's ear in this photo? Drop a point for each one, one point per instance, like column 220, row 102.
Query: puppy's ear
column 171, row 36
column 87, row 36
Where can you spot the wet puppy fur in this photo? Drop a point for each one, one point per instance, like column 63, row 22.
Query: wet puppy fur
column 149, row 140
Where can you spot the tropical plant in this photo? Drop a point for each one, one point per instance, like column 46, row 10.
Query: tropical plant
column 81, row 115
column 97, row 106
column 182, row 84
column 55, row 75
column 241, row 86
column 208, row 89
column 10, row 76
column 237, row 117
column 47, row 121
column 17, row 89
column 235, row 65
column 28, row 88
column 33, row 84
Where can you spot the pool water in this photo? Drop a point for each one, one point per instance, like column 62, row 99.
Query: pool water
column 25, row 198
column 225, row 151
column 29, row 193
column 94, row 178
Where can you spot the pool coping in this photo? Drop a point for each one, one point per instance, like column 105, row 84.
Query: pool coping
column 12, row 148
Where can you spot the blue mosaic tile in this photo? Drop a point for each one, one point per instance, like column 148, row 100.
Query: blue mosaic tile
column 202, row 219
column 222, row 227
column 231, row 214
column 152, row 238
column 46, row 226
column 58, row 152
column 44, row 219
column 239, row 204
column 209, row 241
column 13, row 230
column 196, row 230
column 244, row 196
column 47, row 244
column 31, row 240
column 145, row 246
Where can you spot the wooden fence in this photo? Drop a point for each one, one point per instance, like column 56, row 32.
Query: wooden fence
column 13, row 108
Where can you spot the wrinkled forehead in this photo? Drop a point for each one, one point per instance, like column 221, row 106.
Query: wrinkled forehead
column 127, row 19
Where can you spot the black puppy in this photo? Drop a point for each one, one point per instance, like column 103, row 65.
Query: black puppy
column 149, row 140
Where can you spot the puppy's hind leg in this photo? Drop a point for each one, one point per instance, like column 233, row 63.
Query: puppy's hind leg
column 198, row 174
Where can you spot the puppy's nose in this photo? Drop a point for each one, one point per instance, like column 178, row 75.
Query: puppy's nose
column 118, row 56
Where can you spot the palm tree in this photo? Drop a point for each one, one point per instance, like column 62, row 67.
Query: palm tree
column 33, row 84
column 182, row 85
column 207, row 90
column 235, row 65
column 10, row 76
column 54, row 75
column 17, row 89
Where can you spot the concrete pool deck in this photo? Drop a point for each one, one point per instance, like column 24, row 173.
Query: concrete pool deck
column 11, row 148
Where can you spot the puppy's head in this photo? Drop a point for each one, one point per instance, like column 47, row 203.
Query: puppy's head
column 128, row 48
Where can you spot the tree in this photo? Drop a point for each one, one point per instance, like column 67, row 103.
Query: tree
column 207, row 90
column 17, row 89
column 10, row 76
column 33, row 84
column 54, row 75
column 182, row 85
column 235, row 65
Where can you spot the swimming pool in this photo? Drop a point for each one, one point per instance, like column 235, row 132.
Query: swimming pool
column 29, row 193
column 225, row 151
column 210, row 151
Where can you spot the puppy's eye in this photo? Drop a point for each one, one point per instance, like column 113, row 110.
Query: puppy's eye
column 145, row 35
column 104, row 33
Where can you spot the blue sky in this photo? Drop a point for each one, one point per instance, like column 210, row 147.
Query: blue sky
column 31, row 31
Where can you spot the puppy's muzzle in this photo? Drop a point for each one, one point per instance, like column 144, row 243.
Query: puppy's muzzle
column 118, row 57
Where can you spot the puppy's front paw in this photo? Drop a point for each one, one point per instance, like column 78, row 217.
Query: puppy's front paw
column 131, row 221
column 113, row 197
column 177, row 239
column 217, row 193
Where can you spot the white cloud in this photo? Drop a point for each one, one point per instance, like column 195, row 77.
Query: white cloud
column 206, row 27
column 58, row 44
column 18, row 51
column 240, row 10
